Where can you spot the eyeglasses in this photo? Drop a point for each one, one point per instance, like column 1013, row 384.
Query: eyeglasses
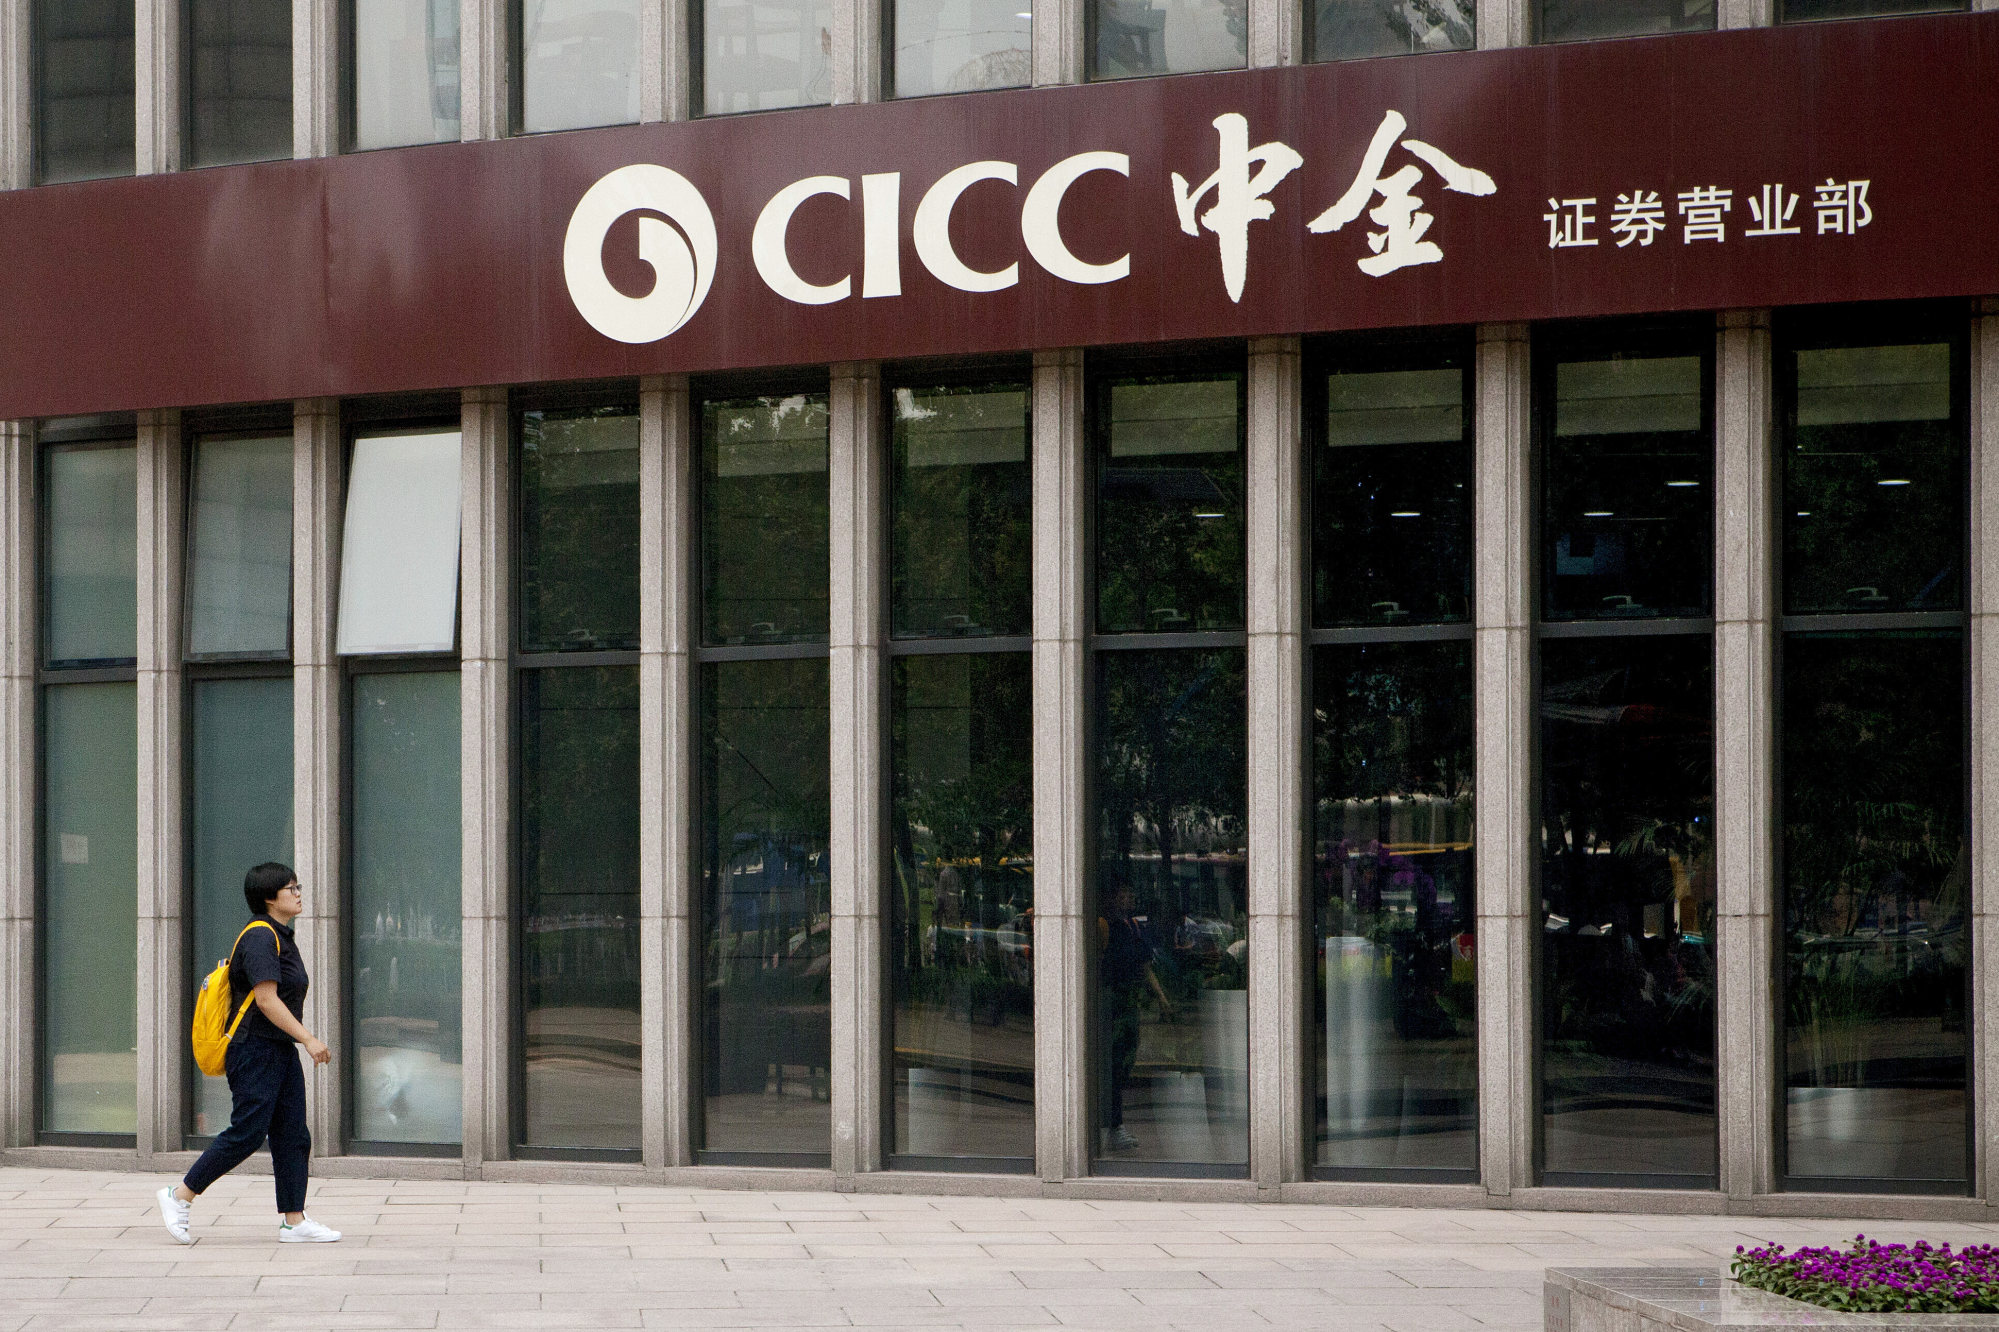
column 293, row 888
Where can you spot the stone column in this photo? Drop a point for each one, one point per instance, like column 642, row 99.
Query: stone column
column 1985, row 743
column 162, row 1063
column 859, row 68
column 20, row 648
column 1503, row 668
column 1059, row 55
column 486, row 719
column 1279, row 779
column 485, row 96
column 1745, row 758
column 315, row 78
column 1276, row 33
column 318, row 735
column 1064, row 1117
column 157, row 98
column 17, row 144
column 666, row 59
column 1503, row 23
column 858, row 678
column 668, row 987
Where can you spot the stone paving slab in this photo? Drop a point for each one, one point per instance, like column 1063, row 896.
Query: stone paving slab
column 85, row 1250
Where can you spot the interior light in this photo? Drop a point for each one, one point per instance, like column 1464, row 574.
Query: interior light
column 1678, row 485
column 1893, row 481
column 1026, row 14
column 1406, row 513
column 1199, row 514
column 1597, row 513
column 1804, row 513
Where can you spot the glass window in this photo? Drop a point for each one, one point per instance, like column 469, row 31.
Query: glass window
column 1876, row 910
column 1130, row 38
column 962, row 563
column 1874, row 480
column 84, row 115
column 961, row 928
column 1628, row 893
column 763, row 55
column 399, row 547
column 93, row 550
column 1628, row 487
column 764, row 531
column 1169, row 504
column 1392, row 887
column 405, row 75
column 404, row 856
column 90, row 908
column 1800, row 11
column 240, row 582
column 949, row 46
column 1349, row 29
column 767, row 1010
column 1392, row 491
column 579, row 63
column 580, row 530
column 239, row 815
column 580, row 907
column 1588, row 20
column 239, row 81
column 1172, row 910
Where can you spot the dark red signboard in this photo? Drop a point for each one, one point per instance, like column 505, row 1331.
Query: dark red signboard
column 1830, row 162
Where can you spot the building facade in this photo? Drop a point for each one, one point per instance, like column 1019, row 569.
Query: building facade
column 1357, row 602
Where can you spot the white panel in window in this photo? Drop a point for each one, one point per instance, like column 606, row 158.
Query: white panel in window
column 399, row 548
column 580, row 61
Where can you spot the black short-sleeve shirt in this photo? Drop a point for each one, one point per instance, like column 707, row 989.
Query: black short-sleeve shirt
column 259, row 958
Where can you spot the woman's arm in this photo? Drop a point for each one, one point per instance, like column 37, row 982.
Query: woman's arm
column 272, row 1007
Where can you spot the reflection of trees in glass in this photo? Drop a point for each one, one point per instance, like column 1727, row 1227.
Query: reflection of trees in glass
column 1350, row 29
column 962, row 560
column 764, row 528
column 580, row 529
column 1169, row 505
column 1875, row 872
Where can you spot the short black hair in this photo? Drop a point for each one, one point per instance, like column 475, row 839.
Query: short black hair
column 265, row 882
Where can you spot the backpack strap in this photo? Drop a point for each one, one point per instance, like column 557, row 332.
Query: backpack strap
column 244, row 1009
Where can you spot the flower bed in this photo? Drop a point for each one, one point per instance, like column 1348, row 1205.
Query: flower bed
column 1871, row 1277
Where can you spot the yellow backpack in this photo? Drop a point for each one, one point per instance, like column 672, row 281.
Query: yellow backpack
column 212, row 1025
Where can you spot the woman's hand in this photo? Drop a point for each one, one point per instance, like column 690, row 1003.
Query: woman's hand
column 317, row 1049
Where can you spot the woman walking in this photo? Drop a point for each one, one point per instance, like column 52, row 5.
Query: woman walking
column 266, row 1084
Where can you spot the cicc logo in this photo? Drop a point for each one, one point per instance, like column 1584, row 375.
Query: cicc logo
column 682, row 254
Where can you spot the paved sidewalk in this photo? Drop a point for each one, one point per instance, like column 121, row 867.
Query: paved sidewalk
column 84, row 1250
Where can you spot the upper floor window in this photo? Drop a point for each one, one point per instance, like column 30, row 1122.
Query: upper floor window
column 948, row 46
column 82, row 52
column 239, row 81
column 1130, row 38
column 1351, row 29
column 1805, row 11
column 403, row 75
column 762, row 55
column 1588, row 20
column 579, row 63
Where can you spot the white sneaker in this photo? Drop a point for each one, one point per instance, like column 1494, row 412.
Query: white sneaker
column 1121, row 1140
column 307, row 1231
column 173, row 1215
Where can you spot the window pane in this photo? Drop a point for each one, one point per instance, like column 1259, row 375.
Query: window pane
column 1393, row 889
column 1798, row 11
column 1586, row 20
column 764, row 532
column 1135, row 37
column 240, row 588
column 1172, row 908
column 90, row 904
column 961, row 932
column 963, row 563
column 1347, row 29
column 580, row 907
column 1627, row 883
column 240, row 80
column 85, row 122
column 1629, row 480
column 93, row 552
column 239, row 815
column 405, row 72
column 1876, row 915
column 1391, row 509
column 767, row 1014
column 760, row 55
column 399, row 548
column 1169, row 504
column 579, row 530
column 1874, row 481
column 949, row 46
column 405, row 856
column 580, row 63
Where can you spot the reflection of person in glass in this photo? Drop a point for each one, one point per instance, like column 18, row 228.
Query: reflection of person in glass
column 1124, row 973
